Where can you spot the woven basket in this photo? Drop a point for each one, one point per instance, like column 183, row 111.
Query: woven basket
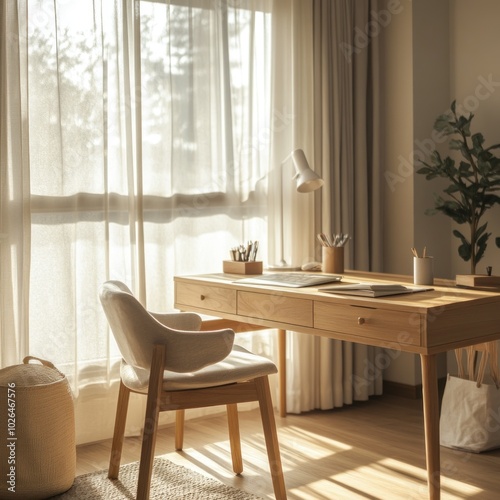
column 38, row 429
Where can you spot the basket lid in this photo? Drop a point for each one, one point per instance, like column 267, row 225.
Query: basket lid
column 29, row 374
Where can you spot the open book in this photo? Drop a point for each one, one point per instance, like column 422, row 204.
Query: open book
column 374, row 289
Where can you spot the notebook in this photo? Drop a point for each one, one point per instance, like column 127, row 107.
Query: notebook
column 375, row 289
column 291, row 280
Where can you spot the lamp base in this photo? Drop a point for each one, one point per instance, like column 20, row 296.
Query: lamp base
column 283, row 266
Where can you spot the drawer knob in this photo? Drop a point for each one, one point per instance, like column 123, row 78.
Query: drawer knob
column 361, row 321
column 202, row 297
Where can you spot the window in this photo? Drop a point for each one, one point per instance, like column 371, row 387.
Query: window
column 149, row 154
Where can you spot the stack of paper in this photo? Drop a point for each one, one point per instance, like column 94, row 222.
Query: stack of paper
column 374, row 289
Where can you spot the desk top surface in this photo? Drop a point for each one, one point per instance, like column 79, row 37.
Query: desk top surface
column 438, row 320
column 444, row 293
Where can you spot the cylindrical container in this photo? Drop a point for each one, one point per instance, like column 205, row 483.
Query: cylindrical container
column 37, row 431
column 333, row 260
column 423, row 270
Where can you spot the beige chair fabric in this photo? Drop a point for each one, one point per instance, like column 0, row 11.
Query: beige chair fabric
column 167, row 358
column 137, row 331
column 240, row 364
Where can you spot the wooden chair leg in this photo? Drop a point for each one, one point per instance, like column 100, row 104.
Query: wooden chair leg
column 234, row 437
column 119, row 431
column 151, row 423
column 179, row 429
column 271, row 436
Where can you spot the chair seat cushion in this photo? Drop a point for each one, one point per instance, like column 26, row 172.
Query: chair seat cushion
column 239, row 366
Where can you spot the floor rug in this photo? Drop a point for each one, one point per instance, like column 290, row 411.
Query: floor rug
column 169, row 481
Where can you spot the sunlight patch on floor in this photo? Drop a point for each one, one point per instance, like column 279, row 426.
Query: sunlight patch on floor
column 197, row 461
column 296, row 438
column 450, row 488
column 315, row 491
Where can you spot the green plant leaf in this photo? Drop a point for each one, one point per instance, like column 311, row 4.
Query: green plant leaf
column 456, row 144
column 463, row 124
column 443, row 125
column 480, row 230
column 481, row 246
column 478, row 141
column 494, row 146
column 466, row 127
column 448, row 168
column 436, row 158
column 490, row 200
column 464, row 250
column 452, row 188
column 454, row 210
column 483, row 239
column 460, row 236
column 425, row 170
column 465, row 169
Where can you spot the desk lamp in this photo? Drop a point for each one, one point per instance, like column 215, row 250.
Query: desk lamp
column 306, row 180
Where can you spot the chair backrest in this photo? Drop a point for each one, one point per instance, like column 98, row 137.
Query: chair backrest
column 136, row 332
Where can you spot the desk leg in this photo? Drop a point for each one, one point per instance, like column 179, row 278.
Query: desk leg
column 431, row 423
column 282, row 371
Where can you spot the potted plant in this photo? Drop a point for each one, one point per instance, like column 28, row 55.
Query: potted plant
column 474, row 182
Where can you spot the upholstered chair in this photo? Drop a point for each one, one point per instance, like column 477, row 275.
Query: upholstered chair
column 177, row 367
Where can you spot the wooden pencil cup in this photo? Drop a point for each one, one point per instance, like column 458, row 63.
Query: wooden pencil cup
column 333, row 260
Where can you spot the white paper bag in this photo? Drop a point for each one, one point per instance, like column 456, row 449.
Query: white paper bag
column 470, row 416
column 470, row 411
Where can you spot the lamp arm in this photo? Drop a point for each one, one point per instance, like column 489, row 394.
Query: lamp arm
column 282, row 229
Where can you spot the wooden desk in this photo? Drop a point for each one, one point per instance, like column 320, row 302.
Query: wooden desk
column 425, row 323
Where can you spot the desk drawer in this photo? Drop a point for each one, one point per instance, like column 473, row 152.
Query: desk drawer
column 276, row 308
column 205, row 297
column 391, row 326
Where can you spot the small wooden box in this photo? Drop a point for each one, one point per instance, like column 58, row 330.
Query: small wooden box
column 236, row 267
column 479, row 280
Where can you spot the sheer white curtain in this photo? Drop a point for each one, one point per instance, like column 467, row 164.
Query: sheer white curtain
column 131, row 148
column 14, row 185
column 292, row 94
column 137, row 141
column 328, row 105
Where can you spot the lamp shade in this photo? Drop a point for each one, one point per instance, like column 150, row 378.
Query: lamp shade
column 307, row 180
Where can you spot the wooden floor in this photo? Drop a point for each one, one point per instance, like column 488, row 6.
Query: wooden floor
column 372, row 450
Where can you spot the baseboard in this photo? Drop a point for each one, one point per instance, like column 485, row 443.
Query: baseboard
column 409, row 391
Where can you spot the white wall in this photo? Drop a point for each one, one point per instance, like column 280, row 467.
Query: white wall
column 431, row 97
column 415, row 63
column 475, row 83
column 433, row 51
column 415, row 90
column 397, row 137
